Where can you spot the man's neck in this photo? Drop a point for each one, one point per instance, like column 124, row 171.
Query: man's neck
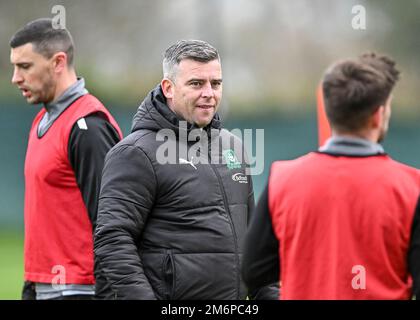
column 66, row 81
column 371, row 136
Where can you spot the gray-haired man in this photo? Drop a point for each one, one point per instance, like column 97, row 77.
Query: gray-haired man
column 175, row 229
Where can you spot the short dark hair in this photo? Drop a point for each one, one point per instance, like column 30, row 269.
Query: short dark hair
column 354, row 88
column 46, row 39
column 197, row 50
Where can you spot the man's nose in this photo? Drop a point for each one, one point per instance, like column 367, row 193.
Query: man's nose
column 208, row 91
column 16, row 78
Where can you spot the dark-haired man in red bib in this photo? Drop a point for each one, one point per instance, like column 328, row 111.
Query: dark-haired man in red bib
column 67, row 145
column 343, row 222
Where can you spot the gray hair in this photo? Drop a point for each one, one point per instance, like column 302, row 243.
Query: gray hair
column 196, row 50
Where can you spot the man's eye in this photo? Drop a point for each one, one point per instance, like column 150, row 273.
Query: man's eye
column 195, row 83
column 25, row 66
column 216, row 84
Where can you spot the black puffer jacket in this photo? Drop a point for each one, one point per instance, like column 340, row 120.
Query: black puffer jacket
column 171, row 231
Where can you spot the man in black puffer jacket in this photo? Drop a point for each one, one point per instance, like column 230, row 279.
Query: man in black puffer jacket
column 176, row 194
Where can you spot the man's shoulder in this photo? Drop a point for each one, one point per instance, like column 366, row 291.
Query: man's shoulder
column 405, row 168
column 88, row 97
column 88, row 100
column 292, row 167
column 84, row 106
column 301, row 160
column 140, row 139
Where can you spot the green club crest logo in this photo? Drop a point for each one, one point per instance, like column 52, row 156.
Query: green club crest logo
column 231, row 160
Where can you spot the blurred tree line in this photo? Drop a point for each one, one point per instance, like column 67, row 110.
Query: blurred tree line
column 273, row 52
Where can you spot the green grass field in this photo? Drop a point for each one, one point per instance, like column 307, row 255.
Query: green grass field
column 11, row 265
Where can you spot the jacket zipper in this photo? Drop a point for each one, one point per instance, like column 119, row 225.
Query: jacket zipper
column 219, row 178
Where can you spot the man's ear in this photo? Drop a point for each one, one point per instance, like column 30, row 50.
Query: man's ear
column 59, row 61
column 377, row 117
column 167, row 88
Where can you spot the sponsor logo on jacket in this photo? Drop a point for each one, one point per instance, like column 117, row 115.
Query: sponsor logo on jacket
column 240, row 177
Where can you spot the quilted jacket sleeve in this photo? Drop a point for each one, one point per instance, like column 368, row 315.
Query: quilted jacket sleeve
column 127, row 195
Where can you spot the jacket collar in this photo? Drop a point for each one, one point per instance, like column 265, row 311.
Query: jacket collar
column 56, row 107
column 346, row 146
